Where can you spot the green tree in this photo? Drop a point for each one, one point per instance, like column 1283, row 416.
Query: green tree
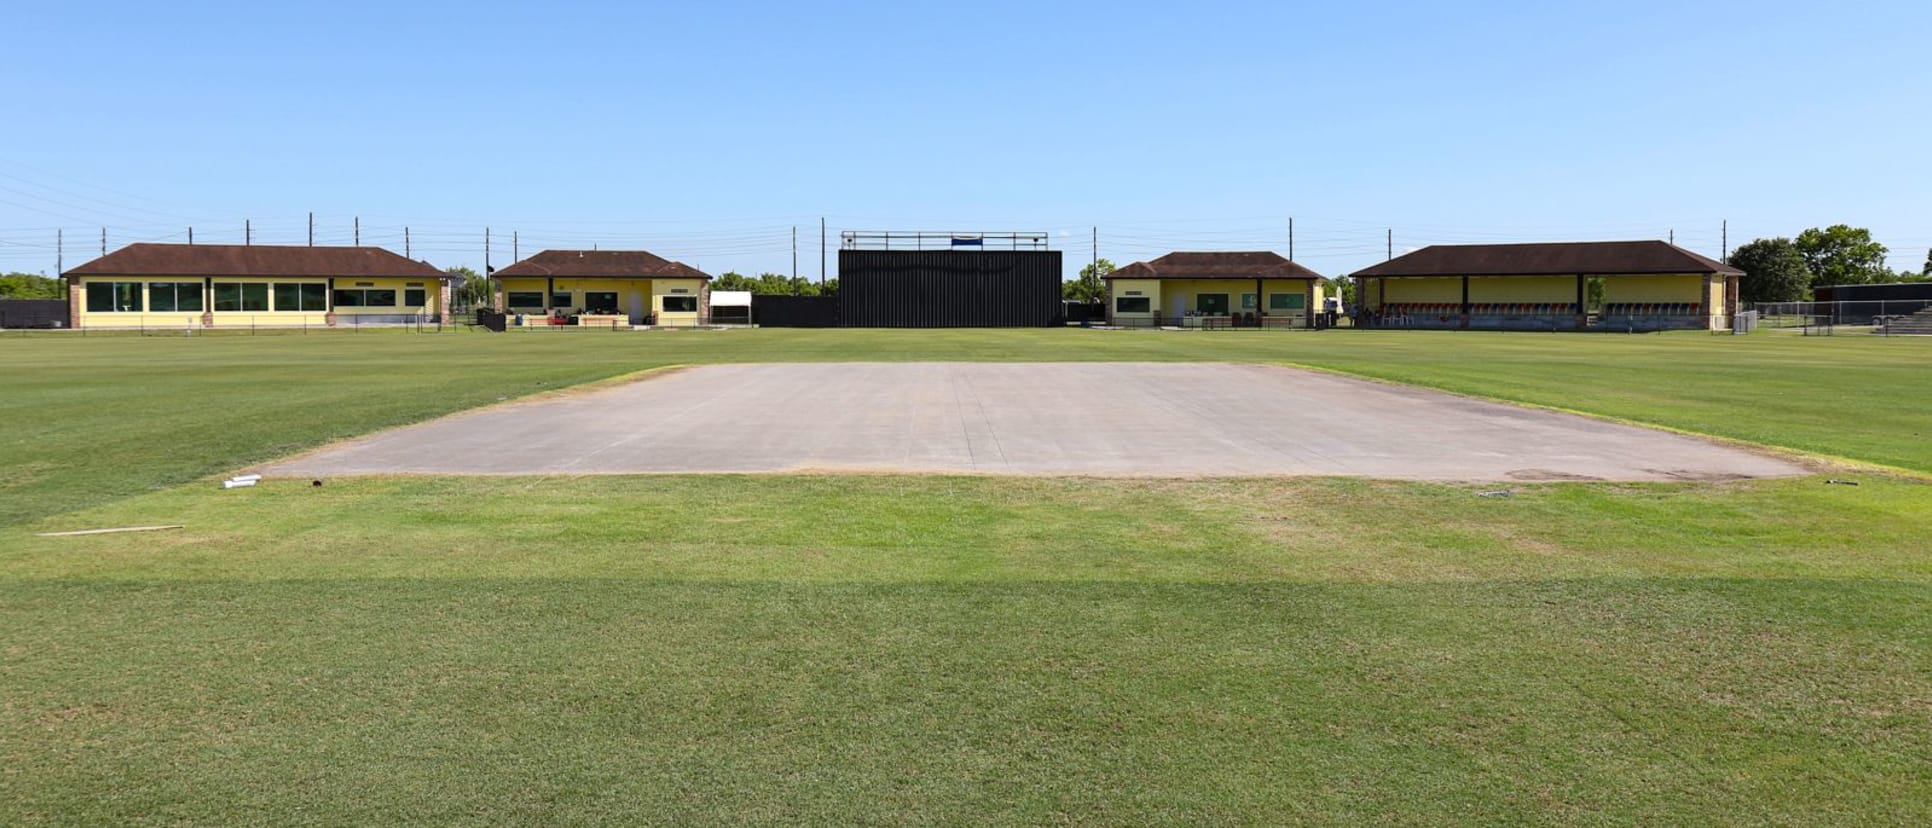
column 28, row 286
column 1774, row 271
column 1842, row 255
column 733, row 280
column 1091, row 287
column 471, row 290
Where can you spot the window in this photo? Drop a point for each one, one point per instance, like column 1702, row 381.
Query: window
column 113, row 297
column 600, row 301
column 242, row 296
column 415, row 298
column 1211, row 304
column 290, row 296
column 174, row 296
column 525, row 298
column 1286, row 301
column 680, row 304
column 1133, row 304
column 365, row 298
column 1248, row 301
column 560, row 299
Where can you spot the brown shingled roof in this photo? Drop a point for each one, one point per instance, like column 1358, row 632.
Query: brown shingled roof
column 601, row 264
column 148, row 259
column 1549, row 258
column 1259, row 264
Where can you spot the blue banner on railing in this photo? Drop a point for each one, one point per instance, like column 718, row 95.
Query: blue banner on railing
column 968, row 241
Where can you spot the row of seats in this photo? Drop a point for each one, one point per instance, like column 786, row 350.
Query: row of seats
column 1653, row 309
column 1481, row 309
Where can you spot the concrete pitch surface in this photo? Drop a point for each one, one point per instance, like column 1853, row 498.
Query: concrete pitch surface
column 1146, row 419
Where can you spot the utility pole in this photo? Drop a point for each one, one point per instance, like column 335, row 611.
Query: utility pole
column 248, row 232
column 406, row 253
column 1291, row 238
column 794, row 254
column 311, row 228
column 516, row 249
column 1673, row 235
column 103, row 241
column 1391, row 243
column 488, row 271
column 358, row 236
column 1096, row 251
column 191, row 234
column 60, row 252
column 1726, row 231
column 821, row 252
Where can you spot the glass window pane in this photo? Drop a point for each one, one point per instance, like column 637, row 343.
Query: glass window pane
column 100, row 297
column 255, row 296
column 415, row 298
column 348, row 298
column 127, row 295
column 560, row 299
column 161, row 296
column 288, row 296
column 680, row 304
column 228, row 297
column 525, row 299
column 600, row 301
column 1212, row 304
column 315, row 297
column 187, row 296
column 1133, row 304
column 380, row 298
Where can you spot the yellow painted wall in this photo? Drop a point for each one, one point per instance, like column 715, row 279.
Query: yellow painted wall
column 1422, row 291
column 149, row 318
column 1150, row 288
column 1178, row 296
column 1518, row 289
column 1685, row 288
column 578, row 287
column 432, row 295
column 661, row 288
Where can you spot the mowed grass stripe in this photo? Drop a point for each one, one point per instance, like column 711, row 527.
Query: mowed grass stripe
column 879, row 649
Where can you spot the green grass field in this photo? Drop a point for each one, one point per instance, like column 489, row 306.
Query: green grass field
column 954, row 650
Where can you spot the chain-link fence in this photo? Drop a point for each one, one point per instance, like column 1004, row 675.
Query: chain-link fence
column 1825, row 316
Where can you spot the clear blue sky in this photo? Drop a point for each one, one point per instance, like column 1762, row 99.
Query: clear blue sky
column 706, row 130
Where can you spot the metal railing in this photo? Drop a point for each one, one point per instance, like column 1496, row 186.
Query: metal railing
column 935, row 241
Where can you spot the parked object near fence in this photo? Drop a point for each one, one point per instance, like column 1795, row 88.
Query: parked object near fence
column 1085, row 313
column 781, row 311
column 33, row 313
column 730, row 307
column 949, row 280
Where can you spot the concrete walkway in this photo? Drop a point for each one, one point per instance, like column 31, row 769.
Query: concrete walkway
column 1145, row 419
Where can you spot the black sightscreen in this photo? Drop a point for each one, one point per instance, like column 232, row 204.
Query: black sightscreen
column 950, row 289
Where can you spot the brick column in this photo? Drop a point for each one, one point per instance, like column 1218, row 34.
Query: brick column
column 73, row 302
column 443, row 309
column 704, row 303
